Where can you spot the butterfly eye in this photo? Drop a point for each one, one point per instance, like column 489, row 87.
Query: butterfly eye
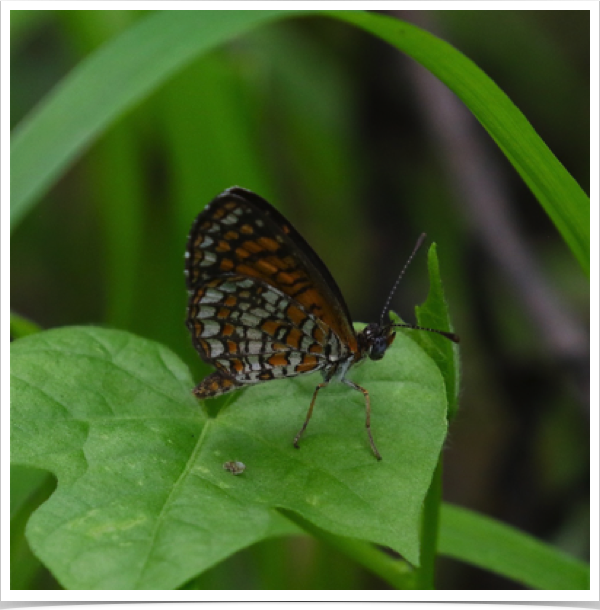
column 380, row 345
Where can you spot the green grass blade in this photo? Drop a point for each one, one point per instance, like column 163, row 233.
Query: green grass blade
column 434, row 313
column 21, row 327
column 486, row 543
column 134, row 64
column 397, row 572
column 107, row 84
column 29, row 488
column 430, row 518
column 556, row 190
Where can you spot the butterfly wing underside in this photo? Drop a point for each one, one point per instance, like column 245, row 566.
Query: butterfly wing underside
column 262, row 303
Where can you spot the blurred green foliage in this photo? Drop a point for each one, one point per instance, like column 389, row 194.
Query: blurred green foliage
column 319, row 118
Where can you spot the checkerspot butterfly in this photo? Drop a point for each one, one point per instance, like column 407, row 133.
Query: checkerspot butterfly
column 263, row 305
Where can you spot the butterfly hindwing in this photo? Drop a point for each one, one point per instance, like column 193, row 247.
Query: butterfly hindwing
column 246, row 327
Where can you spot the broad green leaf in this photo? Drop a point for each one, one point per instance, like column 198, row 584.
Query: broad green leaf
column 143, row 500
column 488, row 544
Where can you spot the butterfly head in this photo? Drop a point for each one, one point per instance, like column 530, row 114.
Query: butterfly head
column 374, row 340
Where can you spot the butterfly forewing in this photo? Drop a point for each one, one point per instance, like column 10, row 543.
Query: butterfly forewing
column 239, row 233
column 260, row 306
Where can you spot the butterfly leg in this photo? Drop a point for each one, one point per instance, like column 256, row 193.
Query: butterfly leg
column 308, row 415
column 368, row 409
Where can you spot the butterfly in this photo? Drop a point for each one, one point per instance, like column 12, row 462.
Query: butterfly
column 263, row 305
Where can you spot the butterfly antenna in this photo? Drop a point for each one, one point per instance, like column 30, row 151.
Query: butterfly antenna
column 389, row 299
column 451, row 336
